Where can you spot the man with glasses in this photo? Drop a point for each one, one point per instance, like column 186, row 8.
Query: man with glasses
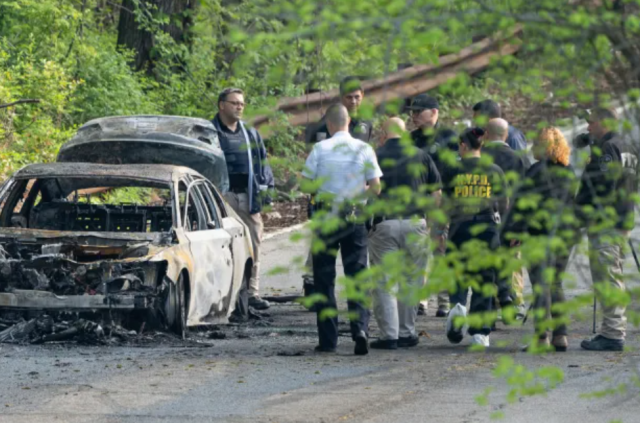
column 249, row 176
column 431, row 137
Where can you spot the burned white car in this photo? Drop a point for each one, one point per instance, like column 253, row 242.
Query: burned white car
column 151, row 240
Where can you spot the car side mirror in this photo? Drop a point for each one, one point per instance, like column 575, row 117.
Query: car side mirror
column 174, row 236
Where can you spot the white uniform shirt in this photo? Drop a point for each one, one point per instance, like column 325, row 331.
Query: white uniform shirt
column 344, row 164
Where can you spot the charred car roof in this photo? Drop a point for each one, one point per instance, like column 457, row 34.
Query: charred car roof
column 171, row 140
column 68, row 177
column 157, row 173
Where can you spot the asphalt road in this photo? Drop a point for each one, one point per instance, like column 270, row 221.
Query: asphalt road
column 268, row 373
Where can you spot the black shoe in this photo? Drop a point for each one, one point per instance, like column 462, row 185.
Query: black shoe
column 258, row 303
column 600, row 343
column 320, row 349
column 408, row 341
column 422, row 310
column 442, row 312
column 362, row 344
column 384, row 344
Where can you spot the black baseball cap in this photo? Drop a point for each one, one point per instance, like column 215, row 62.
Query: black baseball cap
column 424, row 102
column 350, row 84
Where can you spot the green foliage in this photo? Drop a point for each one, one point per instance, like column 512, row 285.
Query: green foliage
column 65, row 54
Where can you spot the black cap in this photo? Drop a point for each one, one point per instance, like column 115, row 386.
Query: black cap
column 350, row 84
column 424, row 102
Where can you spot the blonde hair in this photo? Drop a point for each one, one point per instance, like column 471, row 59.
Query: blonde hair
column 554, row 144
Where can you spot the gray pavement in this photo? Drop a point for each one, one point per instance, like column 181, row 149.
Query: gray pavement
column 269, row 374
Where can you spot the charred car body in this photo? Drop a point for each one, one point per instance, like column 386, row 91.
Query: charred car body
column 70, row 243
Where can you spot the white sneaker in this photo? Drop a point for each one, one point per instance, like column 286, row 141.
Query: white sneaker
column 455, row 335
column 479, row 339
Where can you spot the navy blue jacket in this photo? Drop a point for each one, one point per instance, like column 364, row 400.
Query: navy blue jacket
column 516, row 139
column 262, row 173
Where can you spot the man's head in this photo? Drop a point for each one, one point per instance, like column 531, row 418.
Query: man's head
column 351, row 94
column 497, row 130
column 337, row 119
column 486, row 110
column 424, row 111
column 601, row 122
column 392, row 128
column 231, row 104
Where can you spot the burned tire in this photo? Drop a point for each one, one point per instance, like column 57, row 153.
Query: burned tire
column 177, row 307
column 241, row 311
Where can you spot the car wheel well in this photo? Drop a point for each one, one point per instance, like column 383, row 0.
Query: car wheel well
column 247, row 269
column 187, row 287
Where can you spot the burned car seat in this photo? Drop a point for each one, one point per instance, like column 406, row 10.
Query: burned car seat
column 66, row 216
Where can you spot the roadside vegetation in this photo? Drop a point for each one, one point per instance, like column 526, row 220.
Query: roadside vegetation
column 83, row 59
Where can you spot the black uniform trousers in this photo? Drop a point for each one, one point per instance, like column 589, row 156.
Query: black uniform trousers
column 459, row 234
column 352, row 242
column 548, row 293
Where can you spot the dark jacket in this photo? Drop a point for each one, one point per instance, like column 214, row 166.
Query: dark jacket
column 414, row 170
column 473, row 191
column 541, row 201
column 432, row 144
column 506, row 159
column 358, row 128
column 516, row 139
column 261, row 170
column 609, row 180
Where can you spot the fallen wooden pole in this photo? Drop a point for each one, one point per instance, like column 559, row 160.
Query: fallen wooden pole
column 15, row 103
column 402, row 84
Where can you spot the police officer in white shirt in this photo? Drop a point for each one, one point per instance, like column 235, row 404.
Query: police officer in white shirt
column 344, row 166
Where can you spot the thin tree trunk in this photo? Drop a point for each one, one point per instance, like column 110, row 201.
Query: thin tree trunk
column 136, row 34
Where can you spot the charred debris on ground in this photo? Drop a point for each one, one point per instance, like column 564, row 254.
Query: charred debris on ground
column 96, row 329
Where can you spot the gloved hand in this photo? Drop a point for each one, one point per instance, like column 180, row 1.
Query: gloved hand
column 582, row 140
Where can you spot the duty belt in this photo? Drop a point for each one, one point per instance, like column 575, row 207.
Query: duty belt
column 239, row 190
column 477, row 219
column 380, row 219
column 344, row 210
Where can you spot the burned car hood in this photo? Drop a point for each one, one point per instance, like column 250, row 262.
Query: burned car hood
column 170, row 140
column 66, row 267
column 84, row 238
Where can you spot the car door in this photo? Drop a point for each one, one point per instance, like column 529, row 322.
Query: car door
column 241, row 242
column 210, row 247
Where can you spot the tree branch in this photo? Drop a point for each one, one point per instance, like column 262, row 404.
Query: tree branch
column 23, row 101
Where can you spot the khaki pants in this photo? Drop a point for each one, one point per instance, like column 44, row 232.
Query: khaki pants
column 443, row 296
column 240, row 204
column 606, row 258
column 517, row 284
column 392, row 306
